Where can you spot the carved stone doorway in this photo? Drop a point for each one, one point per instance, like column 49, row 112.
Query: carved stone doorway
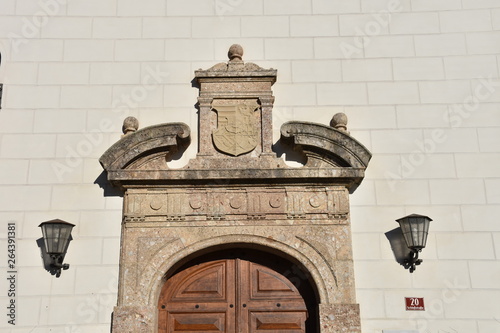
column 238, row 290
column 237, row 191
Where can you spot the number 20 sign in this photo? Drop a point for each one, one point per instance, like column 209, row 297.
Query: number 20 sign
column 414, row 304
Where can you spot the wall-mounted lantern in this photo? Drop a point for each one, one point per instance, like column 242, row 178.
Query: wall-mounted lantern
column 415, row 229
column 56, row 238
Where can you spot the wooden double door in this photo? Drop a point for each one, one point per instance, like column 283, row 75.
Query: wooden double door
column 230, row 295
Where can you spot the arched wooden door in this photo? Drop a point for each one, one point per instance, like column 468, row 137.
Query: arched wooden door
column 230, row 295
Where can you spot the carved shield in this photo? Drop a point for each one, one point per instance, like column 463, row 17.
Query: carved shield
column 237, row 130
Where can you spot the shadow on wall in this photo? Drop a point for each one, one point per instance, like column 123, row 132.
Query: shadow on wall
column 108, row 189
column 46, row 260
column 398, row 245
column 296, row 157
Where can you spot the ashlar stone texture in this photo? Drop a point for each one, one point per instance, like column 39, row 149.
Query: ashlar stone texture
column 236, row 194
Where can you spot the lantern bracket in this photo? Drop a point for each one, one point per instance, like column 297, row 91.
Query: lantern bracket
column 56, row 264
column 413, row 261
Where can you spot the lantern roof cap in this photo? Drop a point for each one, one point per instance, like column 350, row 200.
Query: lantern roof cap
column 56, row 221
column 414, row 215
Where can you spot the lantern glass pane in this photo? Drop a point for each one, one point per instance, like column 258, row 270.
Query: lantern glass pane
column 419, row 231
column 64, row 236
column 415, row 229
column 56, row 236
column 414, row 232
column 426, row 224
column 47, row 234
column 406, row 229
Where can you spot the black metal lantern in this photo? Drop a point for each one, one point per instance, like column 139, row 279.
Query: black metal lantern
column 56, row 237
column 415, row 229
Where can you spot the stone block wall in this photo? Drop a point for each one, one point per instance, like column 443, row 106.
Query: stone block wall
column 418, row 79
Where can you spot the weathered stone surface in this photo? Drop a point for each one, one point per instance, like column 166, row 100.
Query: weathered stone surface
column 130, row 125
column 342, row 318
column 339, row 121
column 145, row 149
column 238, row 127
column 326, row 144
column 236, row 194
column 197, row 205
column 229, row 83
column 137, row 319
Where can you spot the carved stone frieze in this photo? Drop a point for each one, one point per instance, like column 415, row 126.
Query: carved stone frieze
column 133, row 218
column 322, row 204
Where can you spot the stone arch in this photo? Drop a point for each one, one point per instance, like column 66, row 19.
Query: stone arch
column 312, row 262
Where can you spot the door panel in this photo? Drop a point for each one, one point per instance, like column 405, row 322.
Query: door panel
column 198, row 299
column 201, row 322
column 270, row 302
column 268, row 284
column 205, row 283
column 230, row 295
column 289, row 322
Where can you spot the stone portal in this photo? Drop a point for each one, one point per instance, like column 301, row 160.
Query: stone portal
column 237, row 197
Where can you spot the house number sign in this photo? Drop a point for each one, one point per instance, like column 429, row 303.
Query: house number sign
column 414, row 304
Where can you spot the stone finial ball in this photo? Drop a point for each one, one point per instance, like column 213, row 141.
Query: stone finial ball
column 235, row 51
column 130, row 124
column 339, row 120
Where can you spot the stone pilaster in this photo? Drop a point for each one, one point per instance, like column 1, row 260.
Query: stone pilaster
column 134, row 319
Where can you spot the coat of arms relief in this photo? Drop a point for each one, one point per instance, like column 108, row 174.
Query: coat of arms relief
column 238, row 128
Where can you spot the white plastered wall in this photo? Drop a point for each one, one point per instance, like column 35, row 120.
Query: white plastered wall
column 418, row 80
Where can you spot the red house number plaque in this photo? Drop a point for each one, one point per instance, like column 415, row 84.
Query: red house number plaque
column 414, row 304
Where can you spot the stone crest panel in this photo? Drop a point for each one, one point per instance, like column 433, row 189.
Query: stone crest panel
column 237, row 126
